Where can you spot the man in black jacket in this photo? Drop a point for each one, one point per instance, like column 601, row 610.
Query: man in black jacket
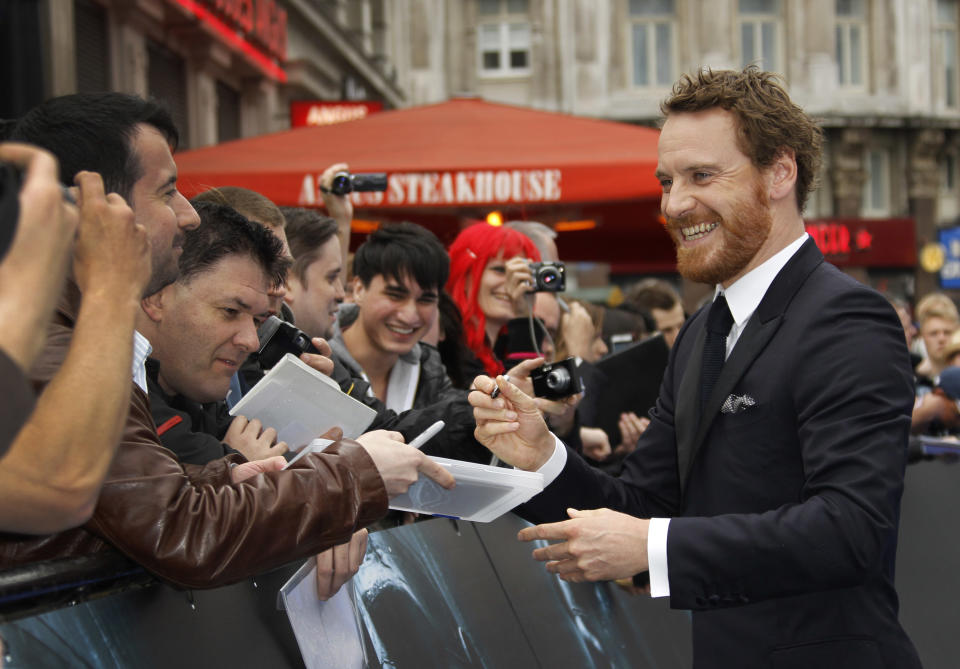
column 765, row 494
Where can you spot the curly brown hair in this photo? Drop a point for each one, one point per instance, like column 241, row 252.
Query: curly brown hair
column 767, row 121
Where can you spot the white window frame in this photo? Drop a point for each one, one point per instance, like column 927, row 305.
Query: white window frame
column 756, row 21
column 877, row 184
column 650, row 22
column 503, row 21
column 949, row 73
column 845, row 27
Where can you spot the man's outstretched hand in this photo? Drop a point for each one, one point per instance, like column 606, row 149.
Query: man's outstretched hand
column 594, row 545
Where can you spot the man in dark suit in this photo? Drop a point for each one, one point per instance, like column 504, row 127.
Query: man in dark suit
column 765, row 494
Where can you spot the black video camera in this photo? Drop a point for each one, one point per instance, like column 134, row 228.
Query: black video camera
column 277, row 338
column 344, row 182
column 556, row 380
column 548, row 276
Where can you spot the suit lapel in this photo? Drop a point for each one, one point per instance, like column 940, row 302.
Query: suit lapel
column 692, row 427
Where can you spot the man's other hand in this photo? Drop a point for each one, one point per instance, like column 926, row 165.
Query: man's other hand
column 248, row 470
column 249, row 438
column 337, row 565
column 510, row 425
column 631, row 427
column 594, row 545
column 399, row 464
column 519, row 374
column 596, row 443
column 322, row 362
column 112, row 252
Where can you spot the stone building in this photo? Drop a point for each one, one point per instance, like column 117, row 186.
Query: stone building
column 882, row 75
column 227, row 68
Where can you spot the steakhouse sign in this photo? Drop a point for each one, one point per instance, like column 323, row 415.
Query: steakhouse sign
column 480, row 187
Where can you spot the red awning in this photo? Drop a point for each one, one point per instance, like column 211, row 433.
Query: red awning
column 461, row 153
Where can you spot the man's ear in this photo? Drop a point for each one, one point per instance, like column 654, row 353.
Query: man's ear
column 293, row 289
column 358, row 290
column 153, row 305
column 782, row 176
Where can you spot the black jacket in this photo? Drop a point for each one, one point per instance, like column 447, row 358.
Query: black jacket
column 191, row 430
column 784, row 490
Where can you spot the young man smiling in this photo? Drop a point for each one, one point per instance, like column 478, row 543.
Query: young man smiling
column 398, row 274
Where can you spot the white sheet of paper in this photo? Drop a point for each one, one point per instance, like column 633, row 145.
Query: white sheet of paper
column 328, row 633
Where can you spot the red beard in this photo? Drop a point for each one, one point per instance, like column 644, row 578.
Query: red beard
column 742, row 234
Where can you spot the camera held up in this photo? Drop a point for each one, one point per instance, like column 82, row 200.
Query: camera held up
column 548, row 276
column 344, row 182
column 277, row 338
column 556, row 380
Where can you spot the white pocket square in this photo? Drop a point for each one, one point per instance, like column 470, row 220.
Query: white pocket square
column 737, row 403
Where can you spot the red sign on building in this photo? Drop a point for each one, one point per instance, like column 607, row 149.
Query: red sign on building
column 864, row 242
column 256, row 28
column 315, row 112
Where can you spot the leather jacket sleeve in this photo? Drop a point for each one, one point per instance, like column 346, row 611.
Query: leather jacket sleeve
column 191, row 525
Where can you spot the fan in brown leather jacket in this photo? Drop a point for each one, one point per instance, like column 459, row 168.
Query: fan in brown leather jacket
column 190, row 524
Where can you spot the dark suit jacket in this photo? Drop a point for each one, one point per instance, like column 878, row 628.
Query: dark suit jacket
column 785, row 504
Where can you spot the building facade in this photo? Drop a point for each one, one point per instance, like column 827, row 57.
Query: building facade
column 227, row 68
column 881, row 75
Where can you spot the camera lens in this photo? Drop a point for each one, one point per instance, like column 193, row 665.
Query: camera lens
column 548, row 277
column 558, row 380
column 341, row 184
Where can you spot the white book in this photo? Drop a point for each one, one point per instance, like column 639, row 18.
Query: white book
column 301, row 404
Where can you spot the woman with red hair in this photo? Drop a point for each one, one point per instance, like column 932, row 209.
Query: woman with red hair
column 489, row 282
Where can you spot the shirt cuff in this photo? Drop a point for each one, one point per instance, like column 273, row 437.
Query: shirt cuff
column 551, row 468
column 657, row 557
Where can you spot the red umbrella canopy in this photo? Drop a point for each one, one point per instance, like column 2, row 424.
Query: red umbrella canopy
column 461, row 153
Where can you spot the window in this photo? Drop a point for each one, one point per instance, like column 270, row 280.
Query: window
column 760, row 34
column 876, row 192
column 948, row 173
column 503, row 37
column 851, row 42
column 651, row 41
column 946, row 39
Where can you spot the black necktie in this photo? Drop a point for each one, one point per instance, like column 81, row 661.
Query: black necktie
column 719, row 322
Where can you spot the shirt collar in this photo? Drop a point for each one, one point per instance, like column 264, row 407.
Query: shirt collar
column 745, row 294
column 141, row 349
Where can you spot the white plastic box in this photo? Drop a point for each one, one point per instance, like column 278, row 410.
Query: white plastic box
column 301, row 404
column 483, row 493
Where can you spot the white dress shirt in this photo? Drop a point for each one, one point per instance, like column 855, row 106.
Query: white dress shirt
column 743, row 298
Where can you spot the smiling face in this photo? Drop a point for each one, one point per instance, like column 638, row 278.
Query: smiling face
column 314, row 301
column 208, row 327
column 159, row 206
column 492, row 296
column 714, row 200
column 394, row 315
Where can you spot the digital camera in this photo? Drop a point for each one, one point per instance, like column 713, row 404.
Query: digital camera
column 277, row 338
column 556, row 380
column 344, row 182
column 548, row 276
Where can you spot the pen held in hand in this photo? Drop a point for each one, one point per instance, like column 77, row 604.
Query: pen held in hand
column 427, row 434
column 496, row 390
